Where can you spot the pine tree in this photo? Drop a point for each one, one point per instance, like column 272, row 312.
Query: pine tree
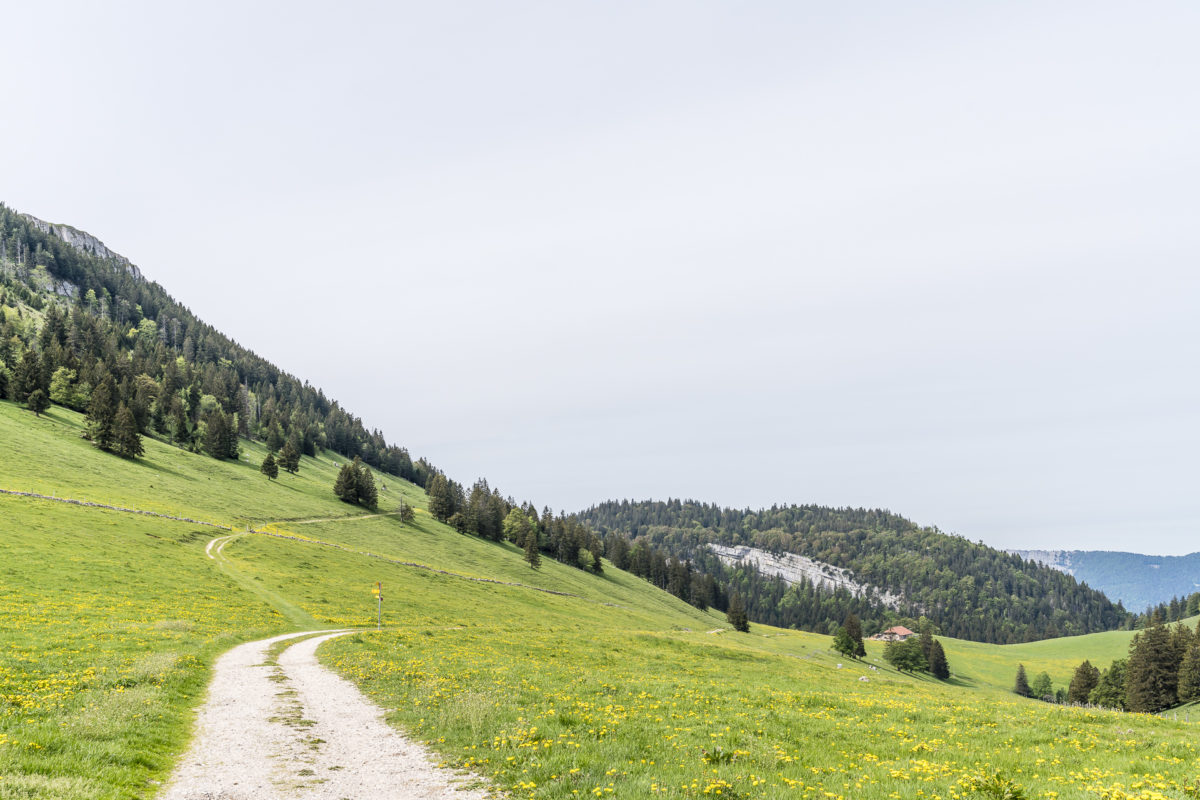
column 1085, row 679
column 269, row 467
column 406, row 512
column 289, row 456
column 102, row 413
column 854, row 631
column 736, row 614
column 937, row 662
column 1189, row 675
column 532, row 555
column 127, row 440
column 1021, row 687
column 37, row 402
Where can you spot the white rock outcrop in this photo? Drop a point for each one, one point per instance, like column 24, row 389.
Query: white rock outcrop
column 793, row 568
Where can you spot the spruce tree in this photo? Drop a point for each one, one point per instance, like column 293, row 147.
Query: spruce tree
column 102, row 413
column 406, row 512
column 854, row 631
column 1085, row 679
column 27, row 376
column 216, row 435
column 1021, row 686
column 274, row 436
column 37, row 402
column 618, row 551
column 127, row 439
column 231, row 449
column 1153, row 674
column 937, row 662
column 1189, row 675
column 532, row 555
column 289, row 457
column 736, row 614
column 441, row 498
column 926, row 640
column 269, row 467
column 365, row 484
column 1110, row 692
column 346, row 487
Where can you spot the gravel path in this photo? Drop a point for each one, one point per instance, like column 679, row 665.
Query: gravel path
column 296, row 731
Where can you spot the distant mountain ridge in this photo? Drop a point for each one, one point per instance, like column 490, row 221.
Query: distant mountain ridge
column 1135, row 579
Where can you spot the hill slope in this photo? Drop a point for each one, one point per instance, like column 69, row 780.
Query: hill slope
column 969, row 590
column 552, row 683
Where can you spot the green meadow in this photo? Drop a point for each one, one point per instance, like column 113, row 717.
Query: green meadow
column 553, row 683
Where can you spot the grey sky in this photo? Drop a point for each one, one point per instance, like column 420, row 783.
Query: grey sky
column 938, row 258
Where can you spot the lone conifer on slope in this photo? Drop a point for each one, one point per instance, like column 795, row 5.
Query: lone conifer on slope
column 269, row 467
column 737, row 614
column 1021, row 687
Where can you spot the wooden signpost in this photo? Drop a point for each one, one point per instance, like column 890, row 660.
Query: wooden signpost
column 379, row 594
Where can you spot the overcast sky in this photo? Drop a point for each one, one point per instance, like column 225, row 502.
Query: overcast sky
column 936, row 258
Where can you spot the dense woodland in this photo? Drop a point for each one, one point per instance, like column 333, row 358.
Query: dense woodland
column 968, row 590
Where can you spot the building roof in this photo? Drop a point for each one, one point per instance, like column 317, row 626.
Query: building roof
column 899, row 630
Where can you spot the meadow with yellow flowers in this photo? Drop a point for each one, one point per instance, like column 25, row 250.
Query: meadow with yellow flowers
column 552, row 683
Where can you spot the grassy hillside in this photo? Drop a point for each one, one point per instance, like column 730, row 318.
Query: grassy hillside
column 551, row 684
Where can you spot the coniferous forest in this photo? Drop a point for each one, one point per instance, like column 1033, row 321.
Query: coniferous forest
column 966, row 589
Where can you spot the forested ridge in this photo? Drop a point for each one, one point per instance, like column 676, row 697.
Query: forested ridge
column 179, row 377
column 80, row 327
column 968, row 590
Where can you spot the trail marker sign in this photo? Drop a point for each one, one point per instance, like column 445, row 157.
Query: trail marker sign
column 378, row 592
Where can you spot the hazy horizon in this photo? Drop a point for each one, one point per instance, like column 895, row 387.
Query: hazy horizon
column 935, row 259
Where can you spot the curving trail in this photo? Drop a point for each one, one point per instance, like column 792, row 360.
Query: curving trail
column 295, row 731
